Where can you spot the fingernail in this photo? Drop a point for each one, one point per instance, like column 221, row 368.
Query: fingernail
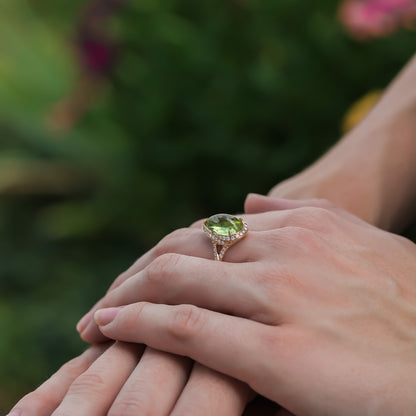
column 14, row 413
column 105, row 316
column 83, row 322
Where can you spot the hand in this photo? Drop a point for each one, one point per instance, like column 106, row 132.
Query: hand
column 79, row 387
column 380, row 189
column 119, row 379
column 108, row 380
column 327, row 179
column 186, row 241
column 206, row 391
column 152, row 386
column 322, row 305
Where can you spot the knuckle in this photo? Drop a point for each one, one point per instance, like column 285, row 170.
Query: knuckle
column 88, row 384
column 317, row 217
column 298, row 235
column 189, row 408
column 128, row 407
column 275, row 238
column 325, row 203
column 136, row 399
column 38, row 401
column 161, row 248
column 160, row 269
column 187, row 321
column 73, row 367
column 168, row 243
column 311, row 217
column 44, row 397
column 132, row 321
column 304, row 241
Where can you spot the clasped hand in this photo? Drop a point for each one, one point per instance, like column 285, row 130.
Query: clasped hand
column 314, row 309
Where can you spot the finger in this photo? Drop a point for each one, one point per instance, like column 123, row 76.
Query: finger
column 172, row 243
column 211, row 393
column 255, row 204
column 154, row 385
column 175, row 279
column 189, row 241
column 178, row 279
column 93, row 392
column 322, row 221
column 185, row 241
column 299, row 211
column 192, row 242
column 46, row 398
column 224, row 343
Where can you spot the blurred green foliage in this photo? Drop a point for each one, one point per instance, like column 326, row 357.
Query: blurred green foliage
column 233, row 93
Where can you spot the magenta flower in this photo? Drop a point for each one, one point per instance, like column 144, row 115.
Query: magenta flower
column 97, row 49
column 97, row 55
column 375, row 18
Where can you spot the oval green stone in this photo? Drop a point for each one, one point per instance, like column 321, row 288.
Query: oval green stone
column 224, row 224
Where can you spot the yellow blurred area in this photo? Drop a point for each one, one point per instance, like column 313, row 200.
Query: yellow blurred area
column 360, row 109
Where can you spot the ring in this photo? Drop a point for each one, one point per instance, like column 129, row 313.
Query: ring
column 224, row 230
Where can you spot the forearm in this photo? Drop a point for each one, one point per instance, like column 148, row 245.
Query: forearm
column 372, row 170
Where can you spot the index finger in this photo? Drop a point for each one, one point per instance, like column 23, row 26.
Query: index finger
column 46, row 398
column 243, row 349
column 188, row 241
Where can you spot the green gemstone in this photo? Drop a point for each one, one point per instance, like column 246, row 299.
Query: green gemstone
column 224, row 224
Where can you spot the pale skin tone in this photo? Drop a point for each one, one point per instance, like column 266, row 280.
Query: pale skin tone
column 370, row 173
column 312, row 313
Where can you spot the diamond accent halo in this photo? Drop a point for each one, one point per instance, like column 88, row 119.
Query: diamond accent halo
column 224, row 230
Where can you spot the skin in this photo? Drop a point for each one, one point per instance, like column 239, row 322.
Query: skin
column 159, row 383
column 371, row 172
column 46, row 398
column 311, row 314
column 381, row 189
column 127, row 379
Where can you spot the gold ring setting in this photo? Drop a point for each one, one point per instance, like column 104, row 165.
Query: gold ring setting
column 224, row 230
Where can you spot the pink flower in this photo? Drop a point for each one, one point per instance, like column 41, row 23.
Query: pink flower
column 97, row 55
column 375, row 18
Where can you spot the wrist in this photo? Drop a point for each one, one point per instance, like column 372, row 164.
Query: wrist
column 372, row 171
column 341, row 186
